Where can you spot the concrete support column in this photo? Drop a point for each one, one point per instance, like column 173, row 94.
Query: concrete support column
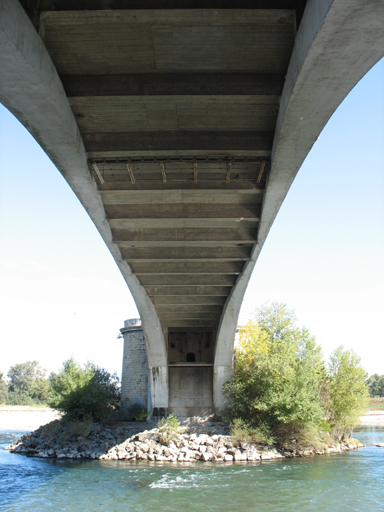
column 221, row 375
column 158, row 390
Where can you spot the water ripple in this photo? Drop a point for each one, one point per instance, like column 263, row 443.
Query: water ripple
column 350, row 482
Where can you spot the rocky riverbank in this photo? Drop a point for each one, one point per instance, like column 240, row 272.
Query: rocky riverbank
column 192, row 442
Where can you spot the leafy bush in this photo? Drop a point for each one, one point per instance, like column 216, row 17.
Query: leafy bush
column 135, row 412
column 244, row 433
column 348, row 390
column 19, row 398
column 282, row 387
column 277, row 375
column 81, row 393
column 169, row 428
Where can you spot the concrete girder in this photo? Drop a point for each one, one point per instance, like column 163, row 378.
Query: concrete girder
column 31, row 89
column 338, row 41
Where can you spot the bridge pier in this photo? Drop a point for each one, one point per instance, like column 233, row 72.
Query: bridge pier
column 190, row 384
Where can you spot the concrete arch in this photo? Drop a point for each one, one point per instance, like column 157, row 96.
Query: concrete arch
column 197, row 223
column 338, row 41
column 31, row 89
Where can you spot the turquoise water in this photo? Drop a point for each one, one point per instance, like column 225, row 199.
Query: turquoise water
column 352, row 481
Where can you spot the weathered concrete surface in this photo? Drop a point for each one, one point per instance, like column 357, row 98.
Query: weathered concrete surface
column 134, row 376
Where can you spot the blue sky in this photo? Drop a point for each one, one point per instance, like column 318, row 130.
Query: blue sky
column 62, row 294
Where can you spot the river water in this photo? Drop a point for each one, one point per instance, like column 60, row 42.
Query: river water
column 352, row 481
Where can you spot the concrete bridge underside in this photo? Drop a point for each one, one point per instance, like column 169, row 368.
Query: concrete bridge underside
column 181, row 130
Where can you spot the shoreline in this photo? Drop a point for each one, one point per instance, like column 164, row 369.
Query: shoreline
column 191, row 442
column 25, row 418
column 44, row 436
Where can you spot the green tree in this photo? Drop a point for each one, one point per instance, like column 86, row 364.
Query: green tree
column 278, row 373
column 3, row 390
column 348, row 391
column 27, row 384
column 89, row 392
column 376, row 385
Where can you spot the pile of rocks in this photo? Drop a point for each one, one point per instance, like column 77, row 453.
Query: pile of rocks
column 131, row 442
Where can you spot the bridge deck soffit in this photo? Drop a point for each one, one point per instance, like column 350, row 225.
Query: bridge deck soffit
column 176, row 109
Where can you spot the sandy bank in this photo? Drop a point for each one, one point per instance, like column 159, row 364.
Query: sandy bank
column 30, row 418
column 25, row 418
column 372, row 419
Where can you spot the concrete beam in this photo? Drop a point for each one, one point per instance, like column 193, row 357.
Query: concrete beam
column 201, row 17
column 184, row 235
column 180, row 280
column 174, row 84
column 183, row 211
column 203, row 184
column 89, row 5
column 184, row 253
column 103, row 144
column 185, row 323
column 190, row 308
column 187, row 314
column 31, row 89
column 196, row 223
column 188, row 290
column 337, row 43
column 176, row 300
column 187, row 267
column 248, row 196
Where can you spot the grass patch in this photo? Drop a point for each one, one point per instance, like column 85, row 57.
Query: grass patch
column 169, row 428
column 375, row 404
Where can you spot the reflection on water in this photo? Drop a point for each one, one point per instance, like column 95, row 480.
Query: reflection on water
column 352, row 481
